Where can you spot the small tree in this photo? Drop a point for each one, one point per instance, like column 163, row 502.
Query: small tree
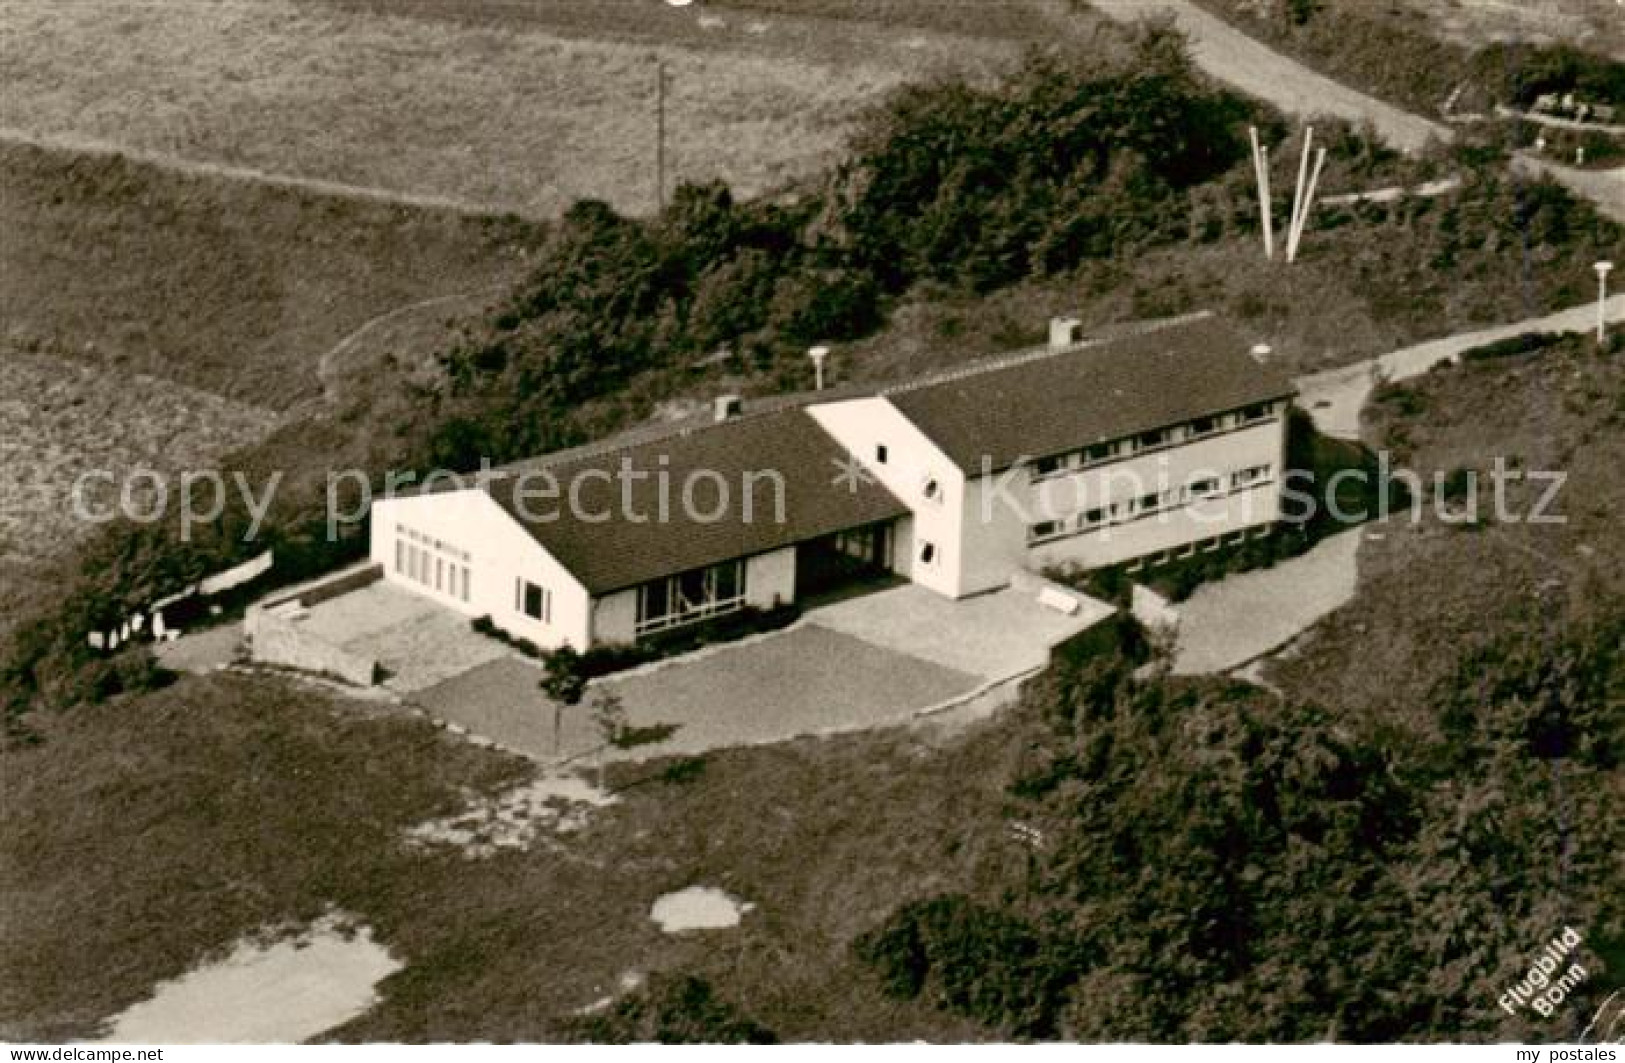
column 609, row 713
column 564, row 684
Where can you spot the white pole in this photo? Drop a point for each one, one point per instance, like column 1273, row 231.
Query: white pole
column 1603, row 269
column 818, row 354
column 1303, row 179
column 1261, row 172
column 1308, row 205
column 1269, row 208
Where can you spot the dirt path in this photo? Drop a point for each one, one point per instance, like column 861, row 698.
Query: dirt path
column 1232, row 56
column 1237, row 621
column 1605, row 188
column 1335, row 398
column 327, row 366
column 197, row 168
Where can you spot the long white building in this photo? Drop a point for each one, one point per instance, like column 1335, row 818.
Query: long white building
column 1139, row 445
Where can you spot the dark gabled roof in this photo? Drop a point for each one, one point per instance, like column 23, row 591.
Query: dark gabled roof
column 995, row 414
column 619, row 553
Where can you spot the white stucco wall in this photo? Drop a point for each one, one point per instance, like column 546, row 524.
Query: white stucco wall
column 770, row 579
column 912, row 460
column 994, row 531
column 500, row 552
column 615, row 618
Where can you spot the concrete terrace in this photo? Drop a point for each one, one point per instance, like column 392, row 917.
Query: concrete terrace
column 994, row 636
column 418, row 642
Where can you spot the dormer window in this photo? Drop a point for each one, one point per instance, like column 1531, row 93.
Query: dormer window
column 881, row 454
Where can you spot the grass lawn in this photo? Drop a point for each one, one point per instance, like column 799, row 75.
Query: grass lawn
column 144, row 836
column 520, row 107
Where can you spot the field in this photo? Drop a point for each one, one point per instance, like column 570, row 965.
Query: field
column 1595, row 25
column 232, row 287
column 228, row 804
column 59, row 419
column 160, row 319
column 521, row 107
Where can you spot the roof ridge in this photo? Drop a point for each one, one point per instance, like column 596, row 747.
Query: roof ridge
column 680, row 429
column 994, row 363
column 646, row 433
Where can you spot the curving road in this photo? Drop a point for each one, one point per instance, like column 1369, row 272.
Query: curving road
column 1335, row 398
column 1231, row 56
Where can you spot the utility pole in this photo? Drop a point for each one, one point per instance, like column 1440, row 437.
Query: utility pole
column 660, row 135
column 1603, row 269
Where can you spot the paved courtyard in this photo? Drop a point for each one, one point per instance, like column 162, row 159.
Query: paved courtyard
column 802, row 681
column 869, row 661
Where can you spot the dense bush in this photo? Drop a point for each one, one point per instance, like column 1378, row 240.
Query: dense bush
column 1512, row 346
column 671, row 1010
column 1521, row 72
column 1221, row 863
column 975, row 960
column 976, row 187
column 1059, row 165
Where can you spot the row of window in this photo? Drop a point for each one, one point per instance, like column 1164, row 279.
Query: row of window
column 1119, row 449
column 1201, row 546
column 1145, row 505
column 425, row 567
column 439, row 545
column 691, row 596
